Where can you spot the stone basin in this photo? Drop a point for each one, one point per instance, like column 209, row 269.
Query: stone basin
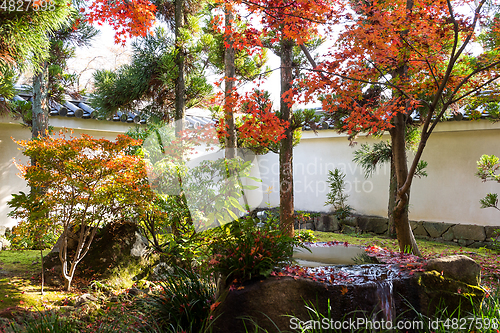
column 341, row 291
column 325, row 254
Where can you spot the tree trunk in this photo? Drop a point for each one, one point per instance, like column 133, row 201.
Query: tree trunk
column 286, row 144
column 406, row 240
column 230, row 73
column 68, row 278
column 180, row 85
column 67, row 283
column 40, row 110
column 393, row 191
column 43, row 273
column 40, row 126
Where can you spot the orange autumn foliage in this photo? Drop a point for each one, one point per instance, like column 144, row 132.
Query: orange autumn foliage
column 383, row 37
column 79, row 184
column 128, row 18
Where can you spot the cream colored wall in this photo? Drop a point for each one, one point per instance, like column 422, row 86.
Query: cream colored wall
column 450, row 193
column 10, row 182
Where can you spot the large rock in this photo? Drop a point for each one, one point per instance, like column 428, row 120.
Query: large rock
column 418, row 229
column 449, row 235
column 351, row 221
column 457, row 267
column 280, row 302
column 490, row 232
column 72, row 241
column 469, row 232
column 447, row 296
column 116, row 245
column 327, row 223
column 277, row 303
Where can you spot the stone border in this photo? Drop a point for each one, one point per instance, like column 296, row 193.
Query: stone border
column 462, row 234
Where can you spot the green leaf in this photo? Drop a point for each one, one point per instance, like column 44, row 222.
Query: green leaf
column 255, row 179
column 249, row 187
column 232, row 214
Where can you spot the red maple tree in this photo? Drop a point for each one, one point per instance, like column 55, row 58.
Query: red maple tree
column 400, row 63
column 283, row 24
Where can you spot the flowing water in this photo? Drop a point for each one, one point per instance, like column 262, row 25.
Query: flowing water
column 380, row 276
column 386, row 300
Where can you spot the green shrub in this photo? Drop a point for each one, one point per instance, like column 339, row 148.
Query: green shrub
column 495, row 240
column 183, row 302
column 305, row 236
column 241, row 251
column 337, row 198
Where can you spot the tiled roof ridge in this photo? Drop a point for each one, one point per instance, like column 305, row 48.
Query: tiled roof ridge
column 79, row 108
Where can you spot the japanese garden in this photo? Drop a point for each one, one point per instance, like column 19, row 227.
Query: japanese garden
column 249, row 166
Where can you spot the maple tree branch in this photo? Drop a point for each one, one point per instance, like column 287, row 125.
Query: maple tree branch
column 388, row 82
column 477, row 89
column 350, row 78
column 280, row 10
column 477, row 11
column 455, row 29
column 251, row 3
column 464, row 81
column 264, row 73
column 431, row 69
column 322, row 72
column 454, row 56
column 477, row 71
column 426, row 131
column 308, row 55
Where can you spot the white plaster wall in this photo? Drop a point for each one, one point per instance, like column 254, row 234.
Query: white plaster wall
column 10, row 181
column 450, row 193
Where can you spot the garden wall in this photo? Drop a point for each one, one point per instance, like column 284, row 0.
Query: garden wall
column 10, row 182
column 449, row 194
column 461, row 234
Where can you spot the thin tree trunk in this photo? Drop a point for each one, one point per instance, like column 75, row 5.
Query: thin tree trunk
column 40, row 126
column 180, row 85
column 393, row 191
column 406, row 240
column 40, row 111
column 286, row 144
column 230, row 73
column 43, row 273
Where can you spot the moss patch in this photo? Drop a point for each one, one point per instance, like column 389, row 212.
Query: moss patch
column 439, row 292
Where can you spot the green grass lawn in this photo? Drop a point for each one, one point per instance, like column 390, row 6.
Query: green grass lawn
column 20, row 283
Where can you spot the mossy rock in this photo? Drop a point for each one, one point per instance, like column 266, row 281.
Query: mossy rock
column 110, row 250
column 439, row 292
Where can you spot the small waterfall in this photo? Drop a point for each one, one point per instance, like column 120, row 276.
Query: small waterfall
column 386, row 299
